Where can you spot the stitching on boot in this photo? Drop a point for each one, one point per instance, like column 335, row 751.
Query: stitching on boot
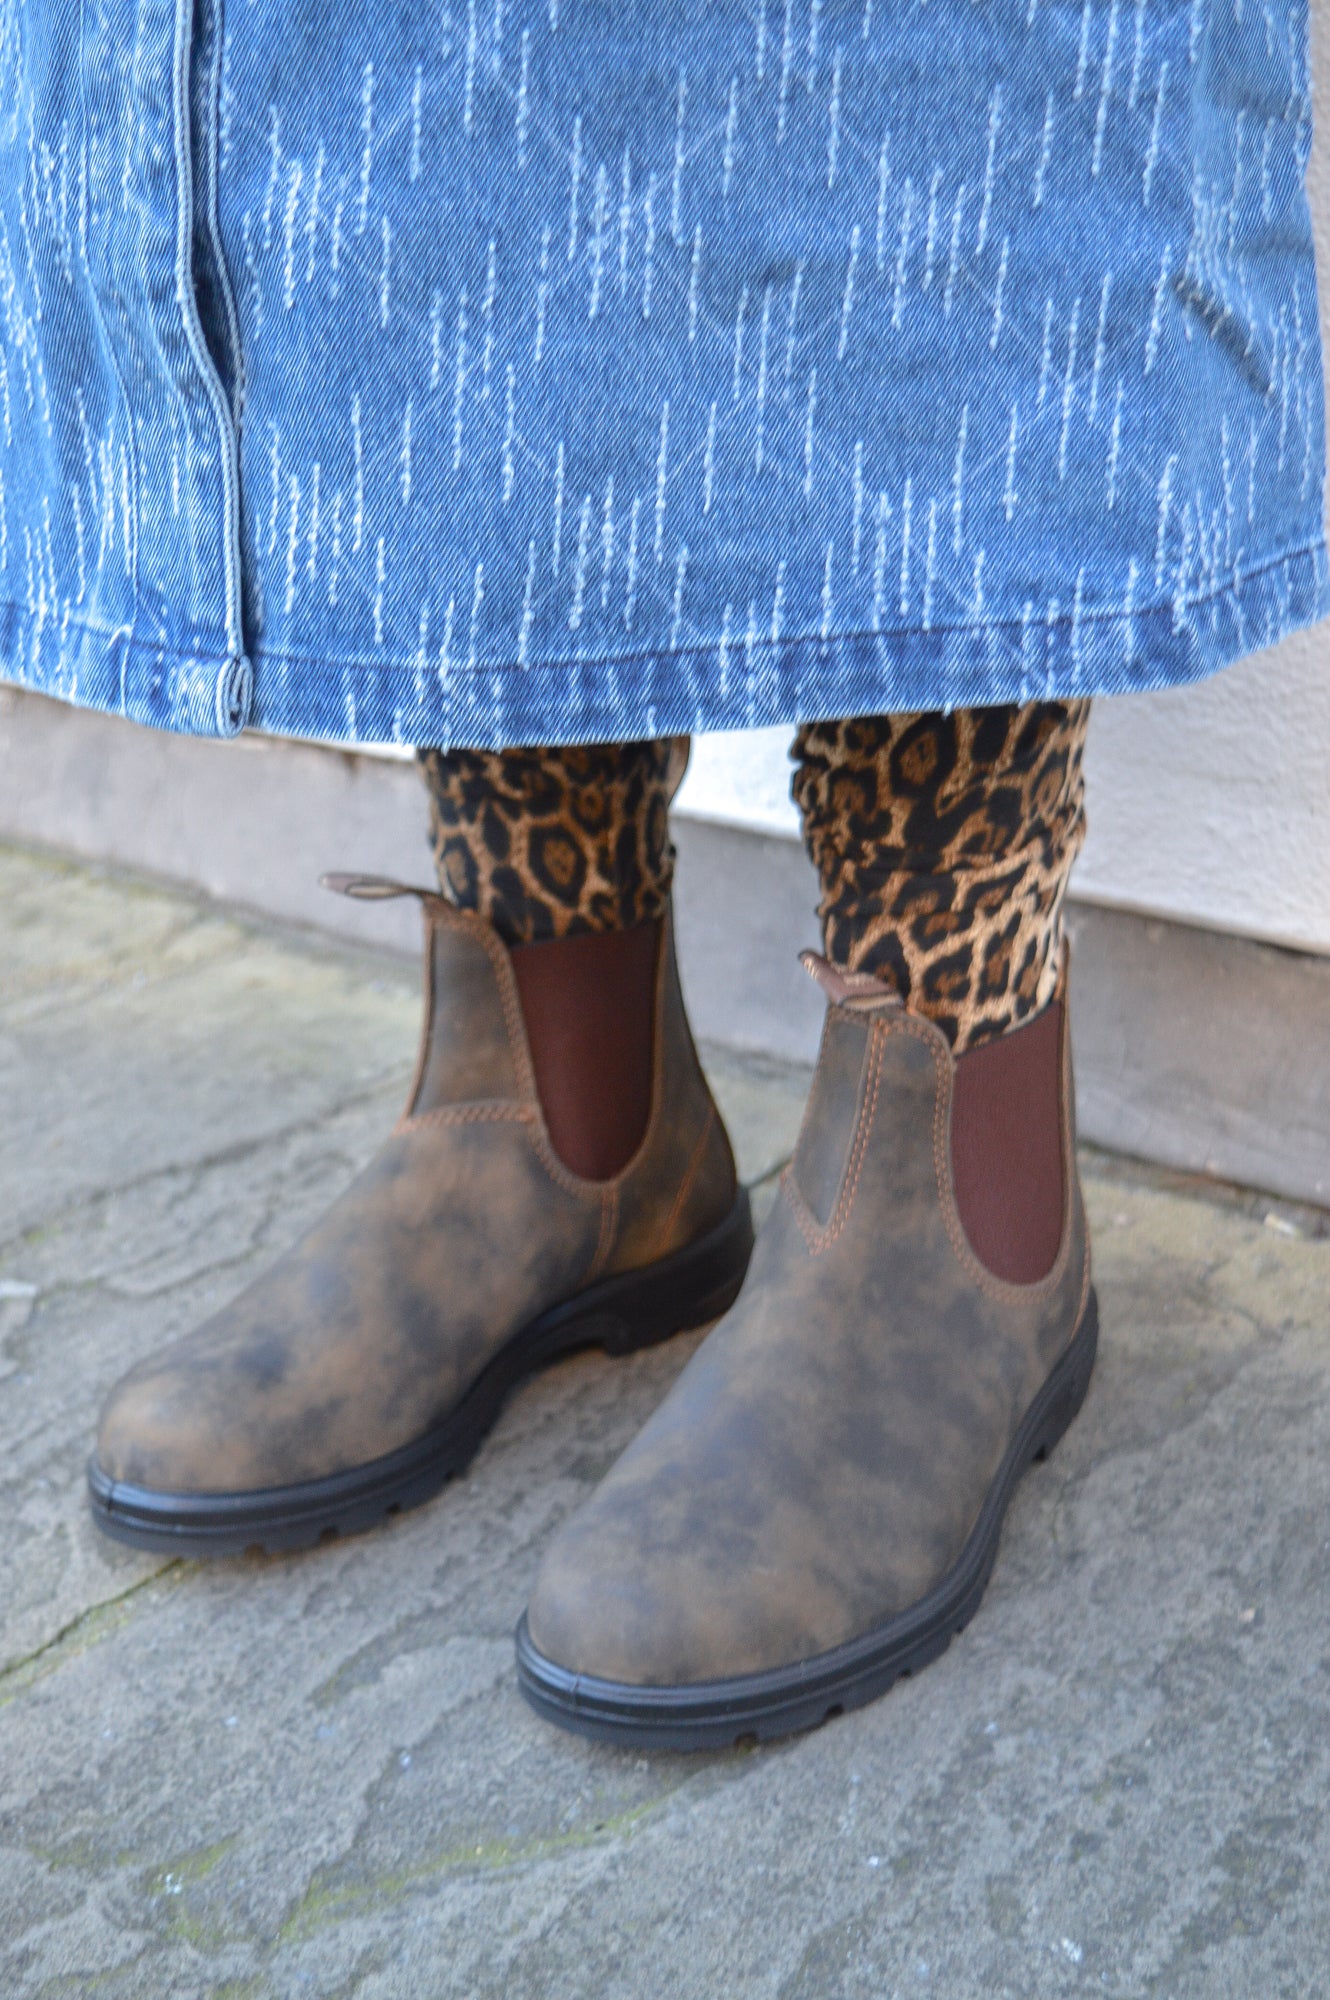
column 609, row 1223
column 501, row 962
column 427, row 1025
column 570, row 1182
column 512, row 1010
column 817, row 1236
column 502, row 1111
column 445, row 916
column 859, row 1152
column 690, row 1176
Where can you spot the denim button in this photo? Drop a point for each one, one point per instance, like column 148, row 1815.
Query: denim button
column 235, row 696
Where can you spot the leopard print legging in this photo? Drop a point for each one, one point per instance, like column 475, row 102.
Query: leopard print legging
column 942, row 843
column 546, row 843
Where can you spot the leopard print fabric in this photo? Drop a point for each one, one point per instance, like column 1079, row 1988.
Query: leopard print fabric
column 546, row 843
column 943, row 845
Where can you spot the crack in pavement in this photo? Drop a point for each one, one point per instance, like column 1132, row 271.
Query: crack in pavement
column 326, row 1903
column 233, row 1154
column 84, row 1631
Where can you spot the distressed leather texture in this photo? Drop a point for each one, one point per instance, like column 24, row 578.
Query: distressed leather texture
column 821, row 1461
column 462, row 1230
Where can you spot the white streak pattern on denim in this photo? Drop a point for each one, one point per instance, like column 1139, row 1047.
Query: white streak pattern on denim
column 716, row 366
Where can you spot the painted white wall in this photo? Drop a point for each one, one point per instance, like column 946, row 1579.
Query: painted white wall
column 1208, row 804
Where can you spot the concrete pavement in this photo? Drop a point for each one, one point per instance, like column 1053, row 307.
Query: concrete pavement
column 267, row 1778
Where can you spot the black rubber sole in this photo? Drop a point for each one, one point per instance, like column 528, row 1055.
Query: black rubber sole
column 715, row 1715
column 620, row 1315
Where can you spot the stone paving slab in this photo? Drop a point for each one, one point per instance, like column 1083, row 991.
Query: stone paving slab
column 266, row 1778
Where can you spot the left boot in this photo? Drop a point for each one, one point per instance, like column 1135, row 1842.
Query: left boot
column 815, row 1508
column 364, row 1369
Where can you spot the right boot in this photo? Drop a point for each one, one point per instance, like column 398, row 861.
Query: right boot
column 365, row 1368
column 815, row 1508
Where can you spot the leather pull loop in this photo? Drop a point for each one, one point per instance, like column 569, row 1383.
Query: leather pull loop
column 860, row 991
column 377, row 889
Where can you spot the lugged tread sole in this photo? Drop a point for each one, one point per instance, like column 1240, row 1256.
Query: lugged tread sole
column 716, row 1715
column 621, row 1314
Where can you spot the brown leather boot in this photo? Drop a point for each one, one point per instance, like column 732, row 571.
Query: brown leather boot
column 365, row 1368
column 815, row 1508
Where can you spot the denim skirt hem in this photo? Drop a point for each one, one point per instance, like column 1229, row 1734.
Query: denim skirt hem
column 743, row 680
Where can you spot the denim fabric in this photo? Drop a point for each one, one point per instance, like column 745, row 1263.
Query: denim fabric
column 537, row 370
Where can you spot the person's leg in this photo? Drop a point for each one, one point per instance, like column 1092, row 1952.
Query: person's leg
column 815, row 1507
column 560, row 1176
column 943, row 846
column 554, row 843
column 566, row 852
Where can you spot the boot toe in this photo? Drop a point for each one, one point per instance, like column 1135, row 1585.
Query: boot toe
column 228, row 1410
column 152, row 1435
column 624, row 1599
column 173, row 1429
column 586, row 1613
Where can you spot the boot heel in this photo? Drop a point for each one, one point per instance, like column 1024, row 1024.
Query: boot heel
column 688, row 1289
column 1070, row 1384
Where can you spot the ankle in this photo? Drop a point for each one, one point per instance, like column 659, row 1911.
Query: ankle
column 588, row 1003
column 1007, row 1148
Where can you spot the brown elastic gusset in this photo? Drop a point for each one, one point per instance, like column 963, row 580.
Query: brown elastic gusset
column 588, row 1004
column 1006, row 1148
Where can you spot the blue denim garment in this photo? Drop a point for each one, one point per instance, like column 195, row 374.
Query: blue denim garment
column 554, row 370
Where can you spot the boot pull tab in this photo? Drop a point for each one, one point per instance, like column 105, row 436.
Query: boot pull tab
column 861, row 991
column 376, row 889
